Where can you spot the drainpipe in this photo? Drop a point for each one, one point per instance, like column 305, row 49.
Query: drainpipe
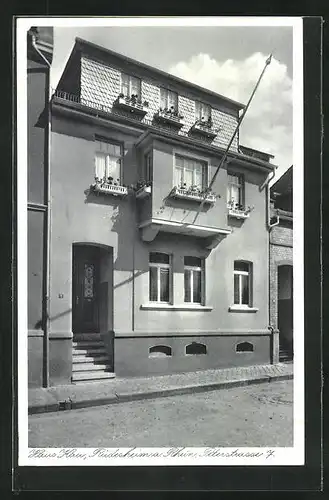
column 47, row 227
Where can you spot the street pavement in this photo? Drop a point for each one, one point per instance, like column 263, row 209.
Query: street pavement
column 255, row 415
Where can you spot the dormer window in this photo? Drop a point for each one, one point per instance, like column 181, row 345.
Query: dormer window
column 168, row 100
column 202, row 112
column 130, row 85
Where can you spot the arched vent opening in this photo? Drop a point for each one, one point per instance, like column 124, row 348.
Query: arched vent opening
column 245, row 347
column 195, row 348
column 160, row 351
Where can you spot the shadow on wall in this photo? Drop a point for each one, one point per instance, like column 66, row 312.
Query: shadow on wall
column 122, row 218
column 39, row 324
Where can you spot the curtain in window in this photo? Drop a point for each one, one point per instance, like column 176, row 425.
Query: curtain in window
column 153, row 284
column 198, row 175
column 245, row 289
column 179, row 176
column 113, row 168
column 196, row 286
column 187, row 286
column 125, row 84
column 134, row 86
column 163, row 98
column 202, row 111
column 172, row 99
column 100, row 166
column 236, row 289
column 164, row 285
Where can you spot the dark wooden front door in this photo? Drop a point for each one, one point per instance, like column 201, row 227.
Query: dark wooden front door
column 85, row 300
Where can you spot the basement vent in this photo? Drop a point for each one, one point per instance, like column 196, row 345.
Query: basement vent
column 245, row 347
column 195, row 348
column 160, row 351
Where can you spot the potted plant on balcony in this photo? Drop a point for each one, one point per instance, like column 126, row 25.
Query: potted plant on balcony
column 142, row 188
column 110, row 180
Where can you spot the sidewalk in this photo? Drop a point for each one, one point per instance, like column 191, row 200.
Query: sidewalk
column 119, row 390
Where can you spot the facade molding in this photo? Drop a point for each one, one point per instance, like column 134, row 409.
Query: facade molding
column 193, row 333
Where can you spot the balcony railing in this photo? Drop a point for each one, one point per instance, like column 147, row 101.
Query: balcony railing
column 169, row 116
column 132, row 103
column 192, row 194
column 107, row 188
column 114, row 112
column 204, row 128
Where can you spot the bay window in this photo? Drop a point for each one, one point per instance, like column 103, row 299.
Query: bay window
column 159, row 277
column 242, row 283
column 193, row 280
column 108, row 162
column 189, row 172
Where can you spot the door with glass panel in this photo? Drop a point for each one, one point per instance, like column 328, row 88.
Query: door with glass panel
column 85, row 303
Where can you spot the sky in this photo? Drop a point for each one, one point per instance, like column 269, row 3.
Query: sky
column 227, row 60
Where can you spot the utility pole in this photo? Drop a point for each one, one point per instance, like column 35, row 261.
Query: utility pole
column 207, row 191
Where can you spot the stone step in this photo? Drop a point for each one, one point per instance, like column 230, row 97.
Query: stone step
column 77, row 358
column 91, row 376
column 89, row 352
column 81, row 367
column 88, row 344
column 80, row 337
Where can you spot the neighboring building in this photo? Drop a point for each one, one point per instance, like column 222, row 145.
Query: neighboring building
column 281, row 262
column 144, row 279
column 39, row 58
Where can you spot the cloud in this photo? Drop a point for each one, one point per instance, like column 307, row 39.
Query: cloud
column 268, row 122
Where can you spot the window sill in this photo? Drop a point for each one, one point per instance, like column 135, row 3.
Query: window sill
column 180, row 307
column 243, row 309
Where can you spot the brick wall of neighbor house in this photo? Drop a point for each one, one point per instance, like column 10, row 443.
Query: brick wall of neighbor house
column 281, row 253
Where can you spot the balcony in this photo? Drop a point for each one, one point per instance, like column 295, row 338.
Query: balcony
column 170, row 117
column 132, row 103
column 204, row 128
column 113, row 189
column 193, row 194
column 238, row 211
column 208, row 235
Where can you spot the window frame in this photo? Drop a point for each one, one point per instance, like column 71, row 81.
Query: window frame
column 130, row 77
column 202, row 104
column 201, row 270
column 148, row 166
column 240, row 273
column 158, row 266
column 204, row 165
column 108, row 155
column 240, row 185
column 167, row 93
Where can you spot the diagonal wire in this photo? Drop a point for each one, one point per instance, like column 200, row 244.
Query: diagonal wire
column 208, row 190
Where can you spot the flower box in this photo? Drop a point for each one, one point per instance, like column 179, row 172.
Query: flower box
column 143, row 192
column 188, row 194
column 105, row 187
column 204, row 128
column 169, row 117
column 132, row 104
column 237, row 212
